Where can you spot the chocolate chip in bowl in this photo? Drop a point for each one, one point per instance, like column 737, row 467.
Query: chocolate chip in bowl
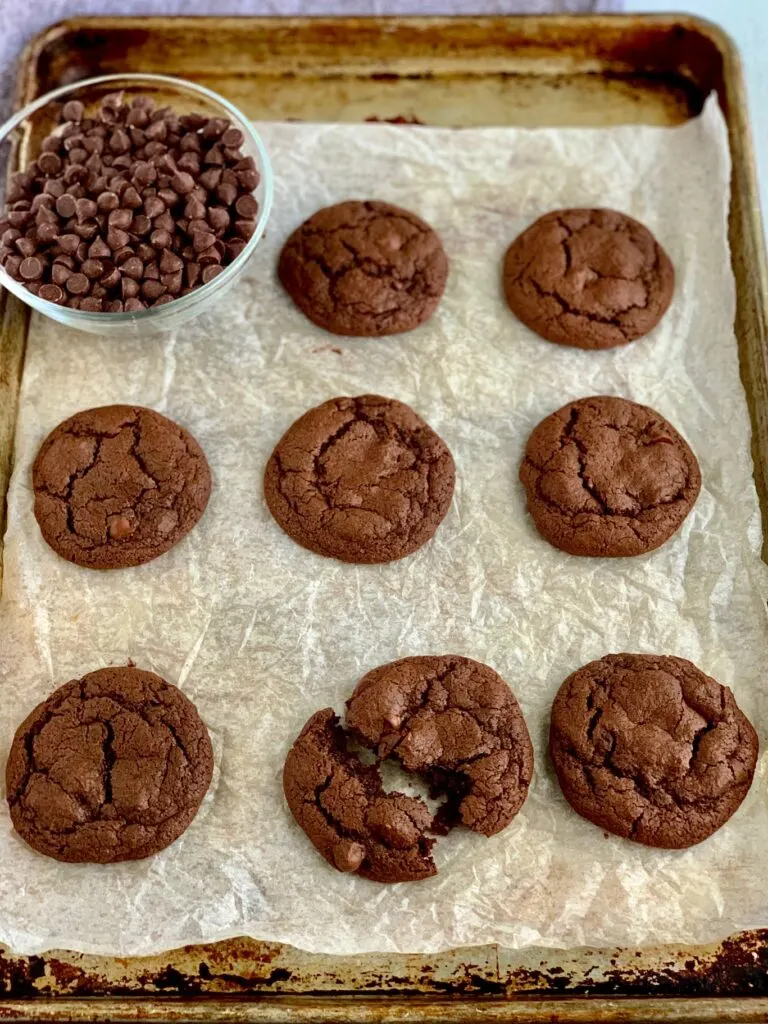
column 138, row 201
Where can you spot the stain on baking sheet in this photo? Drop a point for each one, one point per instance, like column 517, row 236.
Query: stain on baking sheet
column 736, row 966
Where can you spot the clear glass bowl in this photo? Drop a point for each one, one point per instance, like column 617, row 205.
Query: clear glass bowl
column 20, row 139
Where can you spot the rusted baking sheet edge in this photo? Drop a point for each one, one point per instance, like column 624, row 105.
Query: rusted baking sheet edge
column 246, row 968
column 298, row 1010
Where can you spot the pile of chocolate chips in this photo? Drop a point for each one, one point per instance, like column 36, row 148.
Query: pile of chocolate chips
column 129, row 209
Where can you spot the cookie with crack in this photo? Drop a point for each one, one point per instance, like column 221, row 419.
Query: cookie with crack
column 456, row 723
column 118, row 485
column 360, row 479
column 651, row 749
column 593, row 279
column 341, row 805
column 364, row 269
column 111, row 767
column 608, row 477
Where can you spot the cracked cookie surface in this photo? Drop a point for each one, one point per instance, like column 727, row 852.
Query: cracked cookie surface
column 110, row 767
column 650, row 748
column 364, row 269
column 360, row 479
column 118, row 485
column 590, row 278
column 456, row 723
column 608, row 477
column 340, row 804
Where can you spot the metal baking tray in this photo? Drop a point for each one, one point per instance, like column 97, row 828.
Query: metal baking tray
column 529, row 71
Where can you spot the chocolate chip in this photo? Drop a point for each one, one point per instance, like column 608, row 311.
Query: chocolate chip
column 99, row 249
column 65, row 206
column 88, row 229
column 120, row 219
column 51, row 292
column 172, row 282
column 227, row 193
column 214, row 156
column 85, row 209
column 192, row 273
column 210, row 179
column 208, row 256
column 141, row 224
column 145, row 252
column 91, row 305
column 31, row 268
column 219, row 219
column 152, row 271
column 144, row 174
column 73, row 110
column 247, row 207
column 133, row 305
column 92, row 269
column 114, row 306
column 117, row 239
column 26, row 246
column 211, row 271
column 47, row 233
column 153, row 206
column 233, row 138
column 111, row 278
column 182, row 182
column 60, row 274
column 133, row 267
column 202, row 240
column 68, row 243
column 214, row 128
column 161, row 239
column 131, row 198
column 107, row 202
column 129, row 288
column 77, row 284
column 245, row 228
column 49, row 163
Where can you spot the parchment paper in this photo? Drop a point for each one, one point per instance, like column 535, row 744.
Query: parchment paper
column 260, row 633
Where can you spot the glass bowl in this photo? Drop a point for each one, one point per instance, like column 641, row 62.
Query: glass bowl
column 20, row 139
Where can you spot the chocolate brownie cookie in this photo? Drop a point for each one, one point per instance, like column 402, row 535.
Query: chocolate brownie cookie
column 110, row 767
column 340, row 804
column 590, row 278
column 456, row 723
column 605, row 476
column 364, row 269
column 648, row 747
column 118, row 486
column 360, row 479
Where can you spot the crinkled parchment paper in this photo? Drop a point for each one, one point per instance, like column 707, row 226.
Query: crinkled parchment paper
column 260, row 633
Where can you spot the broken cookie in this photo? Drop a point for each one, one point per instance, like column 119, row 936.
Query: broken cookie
column 118, row 485
column 450, row 720
column 342, row 807
column 651, row 749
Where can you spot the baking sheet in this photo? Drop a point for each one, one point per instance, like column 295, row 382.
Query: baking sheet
column 260, row 633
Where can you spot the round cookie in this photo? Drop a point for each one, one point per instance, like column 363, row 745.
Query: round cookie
column 607, row 477
column 360, row 479
column 650, row 748
column 110, row 767
column 118, row 485
column 456, row 723
column 589, row 278
column 341, row 805
column 364, row 269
